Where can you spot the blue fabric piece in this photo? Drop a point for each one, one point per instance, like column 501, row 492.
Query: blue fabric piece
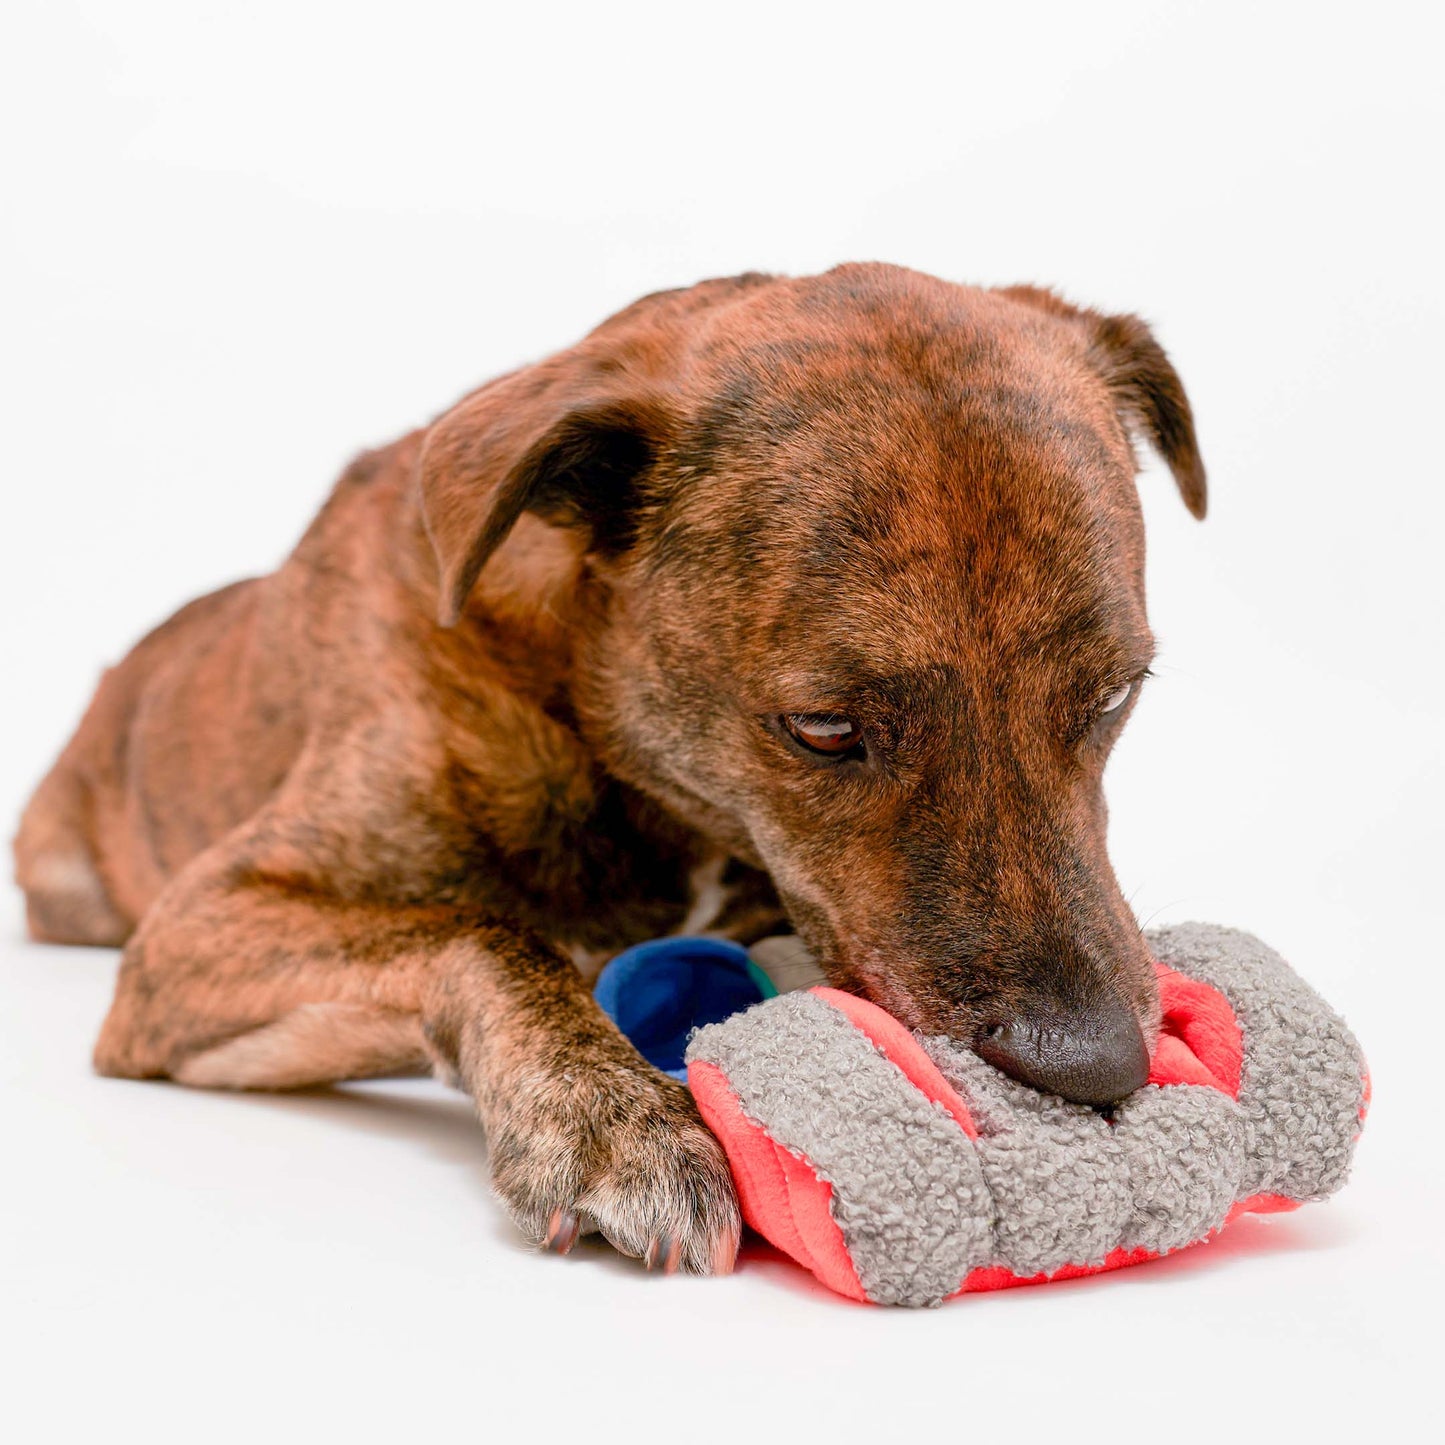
column 658, row 993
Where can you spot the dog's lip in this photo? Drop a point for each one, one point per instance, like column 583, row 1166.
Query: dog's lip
column 867, row 978
column 864, row 970
column 866, row 974
column 878, row 989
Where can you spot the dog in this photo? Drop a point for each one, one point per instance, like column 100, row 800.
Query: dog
column 773, row 603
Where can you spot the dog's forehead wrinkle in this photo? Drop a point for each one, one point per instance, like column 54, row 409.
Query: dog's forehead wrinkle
column 921, row 626
column 852, row 678
column 988, row 526
column 896, row 503
column 914, row 649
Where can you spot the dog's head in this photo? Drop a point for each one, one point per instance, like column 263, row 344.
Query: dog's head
column 864, row 574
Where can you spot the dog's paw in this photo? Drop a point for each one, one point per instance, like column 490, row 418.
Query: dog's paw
column 622, row 1151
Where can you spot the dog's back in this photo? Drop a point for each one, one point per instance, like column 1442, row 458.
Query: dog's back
column 199, row 724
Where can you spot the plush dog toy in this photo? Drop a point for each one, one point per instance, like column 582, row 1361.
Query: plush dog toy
column 905, row 1170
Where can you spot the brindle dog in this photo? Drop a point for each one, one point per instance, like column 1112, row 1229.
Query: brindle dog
column 816, row 602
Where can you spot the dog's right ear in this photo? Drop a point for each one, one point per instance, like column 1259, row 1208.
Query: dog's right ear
column 539, row 441
column 570, row 439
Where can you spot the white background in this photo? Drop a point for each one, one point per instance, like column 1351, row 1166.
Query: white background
column 242, row 242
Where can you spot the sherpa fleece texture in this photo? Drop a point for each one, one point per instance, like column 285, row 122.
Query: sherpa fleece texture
column 904, row 1170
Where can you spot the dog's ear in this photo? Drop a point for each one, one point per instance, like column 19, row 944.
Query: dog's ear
column 1152, row 399
column 1146, row 388
column 541, row 441
column 570, row 438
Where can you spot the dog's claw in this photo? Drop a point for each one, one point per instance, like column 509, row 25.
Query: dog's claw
column 562, row 1230
column 626, row 1156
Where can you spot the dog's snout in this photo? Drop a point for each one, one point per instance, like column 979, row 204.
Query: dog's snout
column 1097, row 1056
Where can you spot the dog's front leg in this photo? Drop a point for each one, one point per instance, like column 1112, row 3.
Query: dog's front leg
column 237, row 978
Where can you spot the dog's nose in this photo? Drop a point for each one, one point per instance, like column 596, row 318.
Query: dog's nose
column 1097, row 1057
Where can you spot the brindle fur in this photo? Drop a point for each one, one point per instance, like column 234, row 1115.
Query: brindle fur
column 511, row 704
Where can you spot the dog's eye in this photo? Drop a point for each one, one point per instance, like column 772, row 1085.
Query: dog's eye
column 828, row 734
column 1116, row 700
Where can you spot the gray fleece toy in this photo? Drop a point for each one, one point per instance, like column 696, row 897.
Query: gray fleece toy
column 902, row 1169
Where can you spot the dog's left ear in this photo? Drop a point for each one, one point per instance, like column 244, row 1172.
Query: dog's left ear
column 533, row 441
column 1146, row 388
column 1152, row 399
